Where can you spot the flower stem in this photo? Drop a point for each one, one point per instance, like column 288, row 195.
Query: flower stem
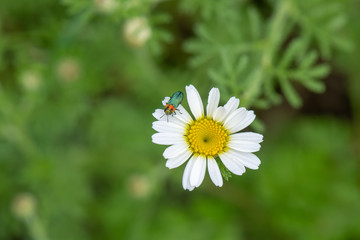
column 36, row 228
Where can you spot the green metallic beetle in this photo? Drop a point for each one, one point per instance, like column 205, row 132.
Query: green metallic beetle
column 173, row 103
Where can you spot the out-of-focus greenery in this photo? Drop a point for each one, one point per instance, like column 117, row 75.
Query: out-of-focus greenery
column 80, row 79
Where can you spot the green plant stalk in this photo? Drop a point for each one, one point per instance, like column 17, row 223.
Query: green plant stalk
column 36, row 228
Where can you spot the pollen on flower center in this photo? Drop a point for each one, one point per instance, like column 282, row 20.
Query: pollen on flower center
column 206, row 137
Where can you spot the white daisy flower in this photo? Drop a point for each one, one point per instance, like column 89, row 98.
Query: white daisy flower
column 201, row 139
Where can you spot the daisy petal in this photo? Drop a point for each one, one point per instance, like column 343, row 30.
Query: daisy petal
column 186, row 176
column 158, row 114
column 179, row 160
column 165, row 101
column 167, row 138
column 232, row 104
column 219, row 114
column 230, row 163
column 250, row 117
column 175, row 150
column 247, row 136
column 250, row 160
column 233, row 118
column 214, row 172
column 198, row 171
column 239, row 119
column 194, row 101
column 161, row 116
column 244, row 146
column 183, row 115
column 168, row 127
column 213, row 101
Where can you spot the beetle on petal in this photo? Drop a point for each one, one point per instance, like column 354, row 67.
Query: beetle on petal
column 173, row 103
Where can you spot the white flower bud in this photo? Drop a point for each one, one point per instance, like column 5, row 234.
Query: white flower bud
column 24, row 205
column 30, row 80
column 106, row 6
column 137, row 31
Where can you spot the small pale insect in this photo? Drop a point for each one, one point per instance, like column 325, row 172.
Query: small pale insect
column 173, row 103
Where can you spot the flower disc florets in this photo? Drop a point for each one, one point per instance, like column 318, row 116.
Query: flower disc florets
column 206, row 137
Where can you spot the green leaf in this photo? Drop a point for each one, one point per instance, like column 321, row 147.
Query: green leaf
column 262, row 104
column 337, row 22
column 258, row 125
column 242, row 63
column 226, row 61
column 255, row 23
column 343, row 43
column 289, row 92
column 224, row 171
column 291, row 51
column 216, row 77
column 270, row 92
column 319, row 71
column 314, row 85
column 309, row 59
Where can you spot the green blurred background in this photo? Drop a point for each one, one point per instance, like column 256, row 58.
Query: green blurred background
column 80, row 80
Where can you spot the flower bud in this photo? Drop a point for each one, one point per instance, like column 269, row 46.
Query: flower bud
column 24, row 205
column 139, row 186
column 30, row 80
column 137, row 31
column 106, row 6
column 68, row 70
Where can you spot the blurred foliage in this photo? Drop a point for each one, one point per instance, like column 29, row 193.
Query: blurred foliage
column 255, row 51
column 79, row 81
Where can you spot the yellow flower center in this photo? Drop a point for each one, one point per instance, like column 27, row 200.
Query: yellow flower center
column 206, row 137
